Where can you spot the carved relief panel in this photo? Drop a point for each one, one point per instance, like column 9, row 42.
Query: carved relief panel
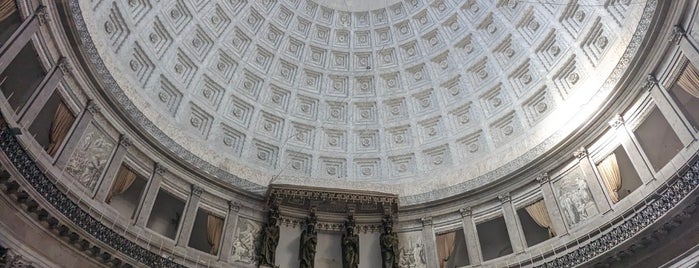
column 90, row 158
column 575, row 198
column 244, row 242
column 412, row 250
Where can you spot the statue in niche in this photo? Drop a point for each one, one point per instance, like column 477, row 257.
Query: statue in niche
column 350, row 245
column 270, row 238
column 309, row 240
column 389, row 244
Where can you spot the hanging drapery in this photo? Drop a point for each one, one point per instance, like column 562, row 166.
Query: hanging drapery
column 7, row 7
column 214, row 230
column 540, row 215
column 124, row 178
column 62, row 121
column 689, row 81
column 609, row 170
column 445, row 246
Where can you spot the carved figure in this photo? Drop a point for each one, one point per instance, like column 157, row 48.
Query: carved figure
column 350, row 245
column 309, row 240
column 270, row 239
column 244, row 245
column 389, row 244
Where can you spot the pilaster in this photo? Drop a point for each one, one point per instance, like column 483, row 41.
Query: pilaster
column 514, row 229
column 552, row 205
column 430, row 240
column 74, row 137
column 190, row 213
column 229, row 231
column 624, row 136
column 151, row 192
column 671, row 113
column 114, row 165
column 594, row 182
column 471, row 236
column 43, row 93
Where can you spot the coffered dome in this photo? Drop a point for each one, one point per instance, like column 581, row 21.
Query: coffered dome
column 422, row 98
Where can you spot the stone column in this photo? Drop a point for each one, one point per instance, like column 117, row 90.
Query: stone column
column 471, row 236
column 594, row 182
column 190, row 213
column 669, row 110
column 151, row 192
column 679, row 36
column 114, row 165
column 430, row 243
column 624, row 136
column 20, row 38
column 514, row 229
column 73, row 138
column 554, row 211
column 229, row 231
column 43, row 93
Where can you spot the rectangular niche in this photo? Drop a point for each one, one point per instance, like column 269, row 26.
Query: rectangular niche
column 657, row 139
column 50, row 127
column 200, row 231
column 451, row 249
column 124, row 196
column 21, row 77
column 686, row 102
column 166, row 215
column 493, row 238
column 530, row 217
column 630, row 180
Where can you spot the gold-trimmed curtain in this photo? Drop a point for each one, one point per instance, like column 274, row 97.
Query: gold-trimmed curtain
column 445, row 246
column 689, row 80
column 540, row 215
column 609, row 170
column 62, row 121
column 124, row 178
column 214, row 230
column 7, row 7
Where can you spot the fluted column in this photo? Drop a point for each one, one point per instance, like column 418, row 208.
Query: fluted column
column 551, row 204
column 190, row 213
column 514, row 229
column 670, row 111
column 594, row 182
column 624, row 136
column 430, row 243
column 73, row 138
column 151, row 192
column 21, row 37
column 471, row 236
column 229, row 231
column 114, row 165
column 43, row 92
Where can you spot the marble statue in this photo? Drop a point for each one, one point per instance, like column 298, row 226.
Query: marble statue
column 350, row 245
column 270, row 239
column 389, row 245
column 309, row 240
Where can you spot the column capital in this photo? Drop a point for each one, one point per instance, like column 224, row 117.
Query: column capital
column 543, row 178
column 63, row 65
column 233, row 206
column 124, row 141
column 196, row 190
column 42, row 15
column 504, row 198
column 159, row 169
column 92, row 107
column 677, row 33
column 617, row 121
column 426, row 221
column 465, row 212
column 580, row 153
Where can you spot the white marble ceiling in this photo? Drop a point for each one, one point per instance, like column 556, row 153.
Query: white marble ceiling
column 418, row 94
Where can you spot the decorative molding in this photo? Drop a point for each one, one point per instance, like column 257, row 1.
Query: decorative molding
column 42, row 15
column 543, row 178
column 465, row 212
column 92, row 107
column 124, row 141
column 196, row 190
column 580, row 153
column 677, row 33
column 159, row 169
column 426, row 221
column 233, row 206
column 504, row 198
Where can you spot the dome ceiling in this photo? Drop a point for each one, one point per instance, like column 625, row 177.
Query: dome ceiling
column 407, row 97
